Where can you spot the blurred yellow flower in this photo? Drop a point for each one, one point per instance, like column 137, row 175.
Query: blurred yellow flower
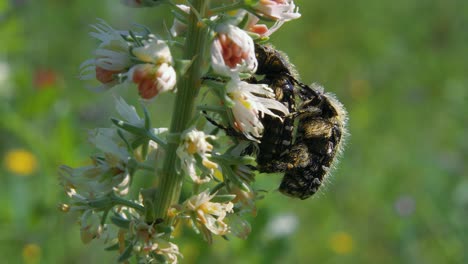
column 20, row 161
column 31, row 253
column 341, row 243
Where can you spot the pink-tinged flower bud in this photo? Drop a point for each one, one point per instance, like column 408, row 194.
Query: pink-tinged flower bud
column 105, row 76
column 153, row 79
column 232, row 51
column 261, row 29
column 156, row 74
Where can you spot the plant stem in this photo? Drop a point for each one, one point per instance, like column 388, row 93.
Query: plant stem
column 170, row 182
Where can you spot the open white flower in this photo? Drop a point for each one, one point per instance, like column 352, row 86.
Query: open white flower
column 209, row 214
column 194, row 144
column 251, row 102
column 278, row 10
column 232, row 51
column 78, row 202
column 168, row 250
column 109, row 171
column 128, row 113
column 107, row 174
column 112, row 57
column 108, row 140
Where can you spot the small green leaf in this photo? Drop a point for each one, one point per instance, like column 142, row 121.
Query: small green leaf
column 112, row 247
column 251, row 2
column 149, row 195
column 129, row 127
column 126, row 254
column 223, row 198
column 100, row 203
column 160, row 258
column 150, row 134
column 121, row 135
column 217, row 188
column 166, row 229
column 120, row 222
column 132, row 166
column 147, row 118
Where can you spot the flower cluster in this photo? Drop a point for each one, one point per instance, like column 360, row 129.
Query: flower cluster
column 147, row 240
column 124, row 56
column 138, row 221
column 103, row 186
column 111, row 169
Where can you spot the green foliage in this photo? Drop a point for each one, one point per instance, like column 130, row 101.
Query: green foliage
column 399, row 194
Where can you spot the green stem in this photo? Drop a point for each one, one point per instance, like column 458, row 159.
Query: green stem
column 170, row 182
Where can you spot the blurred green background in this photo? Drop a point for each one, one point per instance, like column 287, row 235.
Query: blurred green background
column 399, row 195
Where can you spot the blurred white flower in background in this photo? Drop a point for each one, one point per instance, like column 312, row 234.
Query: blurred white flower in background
column 281, row 226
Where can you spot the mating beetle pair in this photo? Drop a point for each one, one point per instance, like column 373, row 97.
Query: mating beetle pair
column 303, row 144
